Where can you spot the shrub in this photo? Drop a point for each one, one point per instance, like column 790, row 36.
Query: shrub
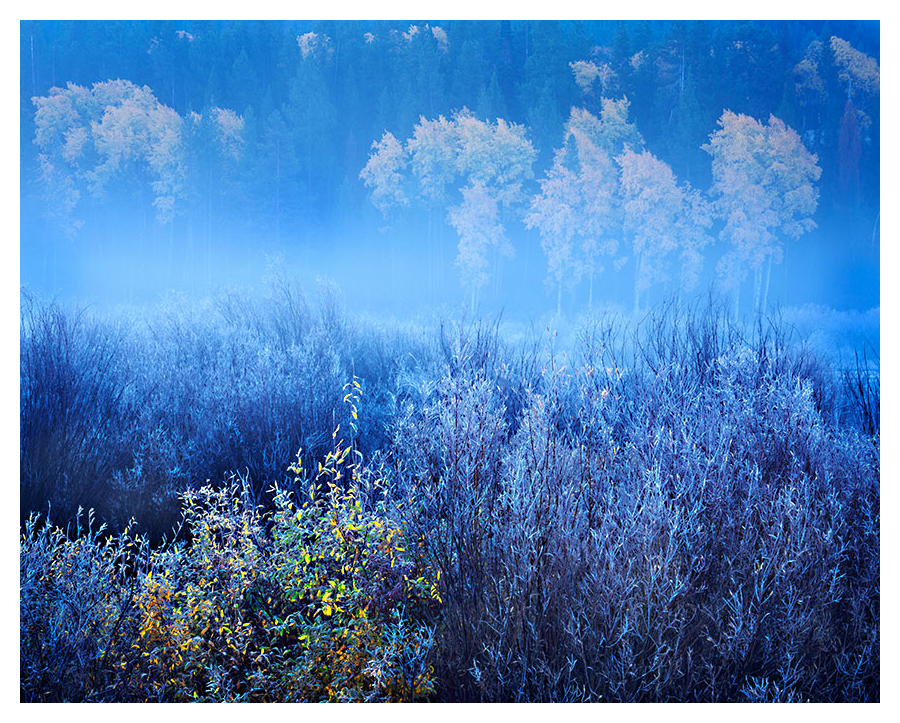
column 680, row 519
column 79, row 410
column 123, row 413
column 77, row 611
column 324, row 600
column 686, row 509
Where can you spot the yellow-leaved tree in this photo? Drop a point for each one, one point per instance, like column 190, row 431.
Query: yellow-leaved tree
column 484, row 163
column 115, row 131
column 764, row 186
column 578, row 212
column 661, row 218
column 652, row 204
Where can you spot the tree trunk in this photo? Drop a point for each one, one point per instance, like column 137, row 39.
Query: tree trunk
column 876, row 229
column 498, row 271
column 189, row 259
column 440, row 250
column 277, row 198
column 757, row 284
column 765, row 298
column 393, row 276
column 170, row 273
column 33, row 81
column 431, row 259
column 638, row 260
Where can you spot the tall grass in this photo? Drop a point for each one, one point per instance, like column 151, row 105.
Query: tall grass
column 122, row 413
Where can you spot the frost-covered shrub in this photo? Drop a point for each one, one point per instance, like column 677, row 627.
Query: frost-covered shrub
column 77, row 614
column 678, row 519
column 326, row 599
column 680, row 509
column 80, row 407
column 123, row 413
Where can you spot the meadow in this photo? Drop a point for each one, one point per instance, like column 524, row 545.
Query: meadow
column 281, row 498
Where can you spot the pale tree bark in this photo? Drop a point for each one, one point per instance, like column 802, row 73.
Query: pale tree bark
column 639, row 259
column 591, row 290
column 757, row 287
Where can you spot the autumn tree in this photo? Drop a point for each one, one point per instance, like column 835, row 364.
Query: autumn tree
column 91, row 138
column 495, row 159
column 594, row 79
column 497, row 154
column 432, row 151
column 692, row 228
column 611, row 131
column 652, row 204
column 577, row 211
column 384, row 174
column 116, row 140
column 555, row 211
column 487, row 162
column 661, row 218
column 858, row 72
column 477, row 221
column 764, row 190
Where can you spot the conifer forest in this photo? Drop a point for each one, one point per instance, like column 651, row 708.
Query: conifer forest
column 449, row 361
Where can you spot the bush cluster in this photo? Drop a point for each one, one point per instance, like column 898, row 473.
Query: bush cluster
column 122, row 412
column 678, row 509
column 325, row 598
column 674, row 515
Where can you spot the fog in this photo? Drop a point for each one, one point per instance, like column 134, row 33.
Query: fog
column 818, row 270
column 449, row 361
column 270, row 125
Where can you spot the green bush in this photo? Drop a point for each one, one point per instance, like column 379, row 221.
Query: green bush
column 321, row 600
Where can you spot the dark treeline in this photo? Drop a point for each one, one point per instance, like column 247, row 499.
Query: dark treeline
column 306, row 101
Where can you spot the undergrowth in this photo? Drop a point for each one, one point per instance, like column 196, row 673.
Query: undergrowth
column 325, row 598
column 680, row 508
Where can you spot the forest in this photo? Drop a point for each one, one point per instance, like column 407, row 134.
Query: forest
column 451, row 361
column 374, row 139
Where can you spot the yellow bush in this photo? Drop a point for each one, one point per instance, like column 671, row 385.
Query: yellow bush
column 321, row 600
